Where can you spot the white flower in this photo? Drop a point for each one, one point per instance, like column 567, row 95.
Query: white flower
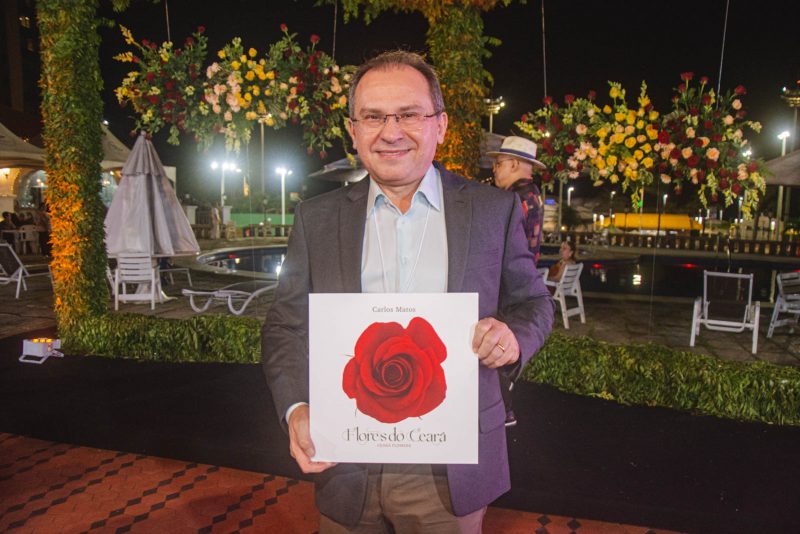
column 736, row 104
column 712, row 154
column 728, row 120
column 581, row 129
column 686, row 152
column 690, row 132
column 228, row 116
column 665, row 178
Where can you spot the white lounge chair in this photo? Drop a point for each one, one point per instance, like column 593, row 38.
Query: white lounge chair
column 12, row 270
column 788, row 302
column 726, row 306
column 136, row 268
column 569, row 286
column 236, row 296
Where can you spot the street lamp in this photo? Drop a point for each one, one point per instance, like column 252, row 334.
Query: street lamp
column 284, row 172
column 224, row 166
column 664, row 203
column 493, row 107
column 569, row 196
column 783, row 136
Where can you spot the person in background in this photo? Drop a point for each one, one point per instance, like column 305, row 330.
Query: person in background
column 41, row 220
column 416, row 208
column 8, row 224
column 216, row 221
column 566, row 254
column 513, row 171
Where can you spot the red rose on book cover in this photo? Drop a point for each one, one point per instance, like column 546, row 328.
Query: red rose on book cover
column 396, row 372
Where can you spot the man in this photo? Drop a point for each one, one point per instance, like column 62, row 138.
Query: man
column 411, row 227
column 513, row 166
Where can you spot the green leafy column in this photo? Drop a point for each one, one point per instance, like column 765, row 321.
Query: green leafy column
column 72, row 111
column 457, row 48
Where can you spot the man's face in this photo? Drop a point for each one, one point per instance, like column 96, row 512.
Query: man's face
column 396, row 155
column 503, row 168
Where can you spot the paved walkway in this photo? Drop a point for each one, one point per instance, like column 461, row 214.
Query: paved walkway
column 609, row 317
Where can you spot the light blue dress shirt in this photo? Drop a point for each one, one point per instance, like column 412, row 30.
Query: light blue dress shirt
column 405, row 252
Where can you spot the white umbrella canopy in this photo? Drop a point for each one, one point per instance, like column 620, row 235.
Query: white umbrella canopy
column 145, row 215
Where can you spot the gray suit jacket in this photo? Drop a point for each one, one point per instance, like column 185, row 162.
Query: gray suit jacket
column 488, row 254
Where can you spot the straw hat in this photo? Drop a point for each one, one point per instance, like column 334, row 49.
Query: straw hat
column 520, row 148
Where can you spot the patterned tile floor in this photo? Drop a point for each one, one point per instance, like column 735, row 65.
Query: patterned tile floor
column 48, row 487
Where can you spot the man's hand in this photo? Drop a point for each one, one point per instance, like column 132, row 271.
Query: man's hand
column 495, row 343
column 300, row 445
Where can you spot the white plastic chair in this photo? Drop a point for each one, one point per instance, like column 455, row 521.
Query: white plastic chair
column 236, row 296
column 12, row 270
column 726, row 306
column 788, row 302
column 27, row 239
column 138, row 269
column 569, row 286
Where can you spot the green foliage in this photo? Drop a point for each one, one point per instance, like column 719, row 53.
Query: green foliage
column 72, row 111
column 654, row 375
column 204, row 338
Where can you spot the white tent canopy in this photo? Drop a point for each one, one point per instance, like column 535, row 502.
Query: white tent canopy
column 785, row 170
column 145, row 215
column 115, row 153
column 14, row 152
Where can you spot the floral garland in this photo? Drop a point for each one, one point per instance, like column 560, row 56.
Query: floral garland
column 164, row 90
column 700, row 143
column 565, row 136
column 288, row 85
column 703, row 142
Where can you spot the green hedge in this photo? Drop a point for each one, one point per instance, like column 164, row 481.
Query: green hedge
column 204, row 338
column 654, row 375
column 648, row 375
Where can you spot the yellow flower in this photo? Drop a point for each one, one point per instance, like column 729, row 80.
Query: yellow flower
column 248, row 97
column 614, row 178
column 631, row 118
column 271, row 75
column 235, row 65
column 619, row 116
column 270, row 121
column 641, row 138
column 653, row 115
column 261, row 75
column 250, row 76
column 602, row 133
column 606, row 109
column 602, row 149
column 646, row 148
column 221, row 54
column 634, row 175
column 638, row 155
column 256, row 90
column 612, row 160
column 629, row 130
column 618, row 138
column 126, row 57
column 342, row 100
column 648, row 163
column 600, row 163
column 252, row 52
column 614, row 92
column 243, row 58
column 251, row 115
column 640, row 124
column 652, row 133
column 630, row 142
column 644, row 101
column 164, row 57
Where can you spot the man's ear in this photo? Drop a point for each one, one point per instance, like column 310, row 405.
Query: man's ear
column 351, row 129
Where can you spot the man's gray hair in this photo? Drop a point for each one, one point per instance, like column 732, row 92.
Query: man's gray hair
column 393, row 60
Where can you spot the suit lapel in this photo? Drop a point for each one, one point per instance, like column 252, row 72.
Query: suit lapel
column 458, row 218
column 352, row 212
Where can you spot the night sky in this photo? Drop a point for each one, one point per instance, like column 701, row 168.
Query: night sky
column 588, row 43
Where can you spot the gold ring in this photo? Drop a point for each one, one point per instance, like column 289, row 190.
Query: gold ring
column 501, row 347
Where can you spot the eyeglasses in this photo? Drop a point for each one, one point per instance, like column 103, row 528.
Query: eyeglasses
column 407, row 120
column 499, row 162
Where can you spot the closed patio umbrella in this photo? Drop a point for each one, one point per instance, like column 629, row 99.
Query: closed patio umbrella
column 145, row 215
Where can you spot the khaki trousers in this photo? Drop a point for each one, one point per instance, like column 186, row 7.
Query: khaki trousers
column 407, row 498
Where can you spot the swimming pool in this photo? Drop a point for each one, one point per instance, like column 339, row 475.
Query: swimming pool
column 667, row 276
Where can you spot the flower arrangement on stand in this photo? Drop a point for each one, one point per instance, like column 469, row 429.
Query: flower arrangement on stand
column 627, row 143
column 167, row 85
column 564, row 135
column 703, row 143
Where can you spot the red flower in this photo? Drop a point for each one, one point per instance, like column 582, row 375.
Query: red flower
column 201, row 29
column 675, row 153
column 569, row 149
column 740, row 90
column 687, row 76
column 703, row 80
column 694, row 110
column 752, row 166
column 146, row 42
column 323, row 154
column 693, row 161
column 706, row 99
column 189, row 42
column 663, row 137
column 149, row 76
column 284, row 27
column 559, row 167
column 314, row 38
column 701, row 176
column 396, row 372
column 741, row 113
column 547, row 100
column 716, row 138
column 723, row 183
column 736, row 188
column 711, row 164
column 682, row 88
column 592, row 95
column 153, row 99
column 524, row 118
column 698, row 142
column 546, row 178
column 708, row 125
column 569, row 99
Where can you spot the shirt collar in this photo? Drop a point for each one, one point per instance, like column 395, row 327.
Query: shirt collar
column 430, row 188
